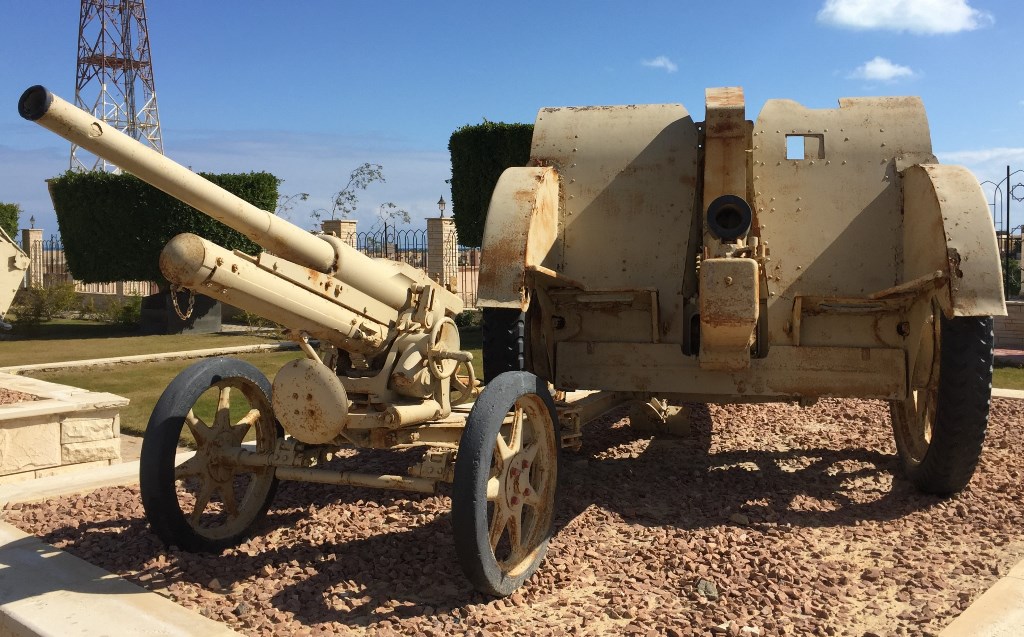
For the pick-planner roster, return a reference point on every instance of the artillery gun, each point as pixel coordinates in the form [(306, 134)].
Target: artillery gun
[(806, 254), (389, 374), (641, 255), (13, 265), (385, 375)]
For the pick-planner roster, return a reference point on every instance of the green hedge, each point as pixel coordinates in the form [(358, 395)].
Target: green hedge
[(9, 219), (480, 153), (114, 226)]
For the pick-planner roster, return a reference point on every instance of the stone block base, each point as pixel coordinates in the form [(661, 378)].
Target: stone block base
[(66, 429)]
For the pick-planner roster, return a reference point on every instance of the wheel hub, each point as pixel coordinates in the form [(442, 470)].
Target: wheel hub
[(517, 481)]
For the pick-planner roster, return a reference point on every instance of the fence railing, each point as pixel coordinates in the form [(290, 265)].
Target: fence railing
[(457, 265), (409, 246), (49, 268), (468, 274)]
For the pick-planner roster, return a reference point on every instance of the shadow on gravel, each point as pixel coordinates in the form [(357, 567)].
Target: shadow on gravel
[(400, 570), (678, 481)]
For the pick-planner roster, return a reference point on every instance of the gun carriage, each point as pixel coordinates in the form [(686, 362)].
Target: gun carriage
[(640, 254)]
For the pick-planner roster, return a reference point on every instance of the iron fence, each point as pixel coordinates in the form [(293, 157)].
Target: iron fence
[(49, 268), (409, 246), (460, 267)]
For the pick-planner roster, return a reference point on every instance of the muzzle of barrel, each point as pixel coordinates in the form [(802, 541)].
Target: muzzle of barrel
[(729, 217), (34, 102)]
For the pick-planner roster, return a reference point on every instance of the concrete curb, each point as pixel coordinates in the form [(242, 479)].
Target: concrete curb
[(146, 358), (44, 591), (79, 482), (999, 612), (1007, 393)]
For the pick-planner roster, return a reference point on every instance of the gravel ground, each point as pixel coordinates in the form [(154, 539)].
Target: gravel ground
[(785, 521), (9, 396)]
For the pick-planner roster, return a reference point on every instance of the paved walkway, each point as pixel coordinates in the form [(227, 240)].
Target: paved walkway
[(148, 358), (1013, 357)]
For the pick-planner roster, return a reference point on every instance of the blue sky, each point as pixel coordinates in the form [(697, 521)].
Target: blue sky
[(310, 89)]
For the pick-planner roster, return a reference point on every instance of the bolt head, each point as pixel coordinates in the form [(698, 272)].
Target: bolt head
[(526, 464), (515, 500)]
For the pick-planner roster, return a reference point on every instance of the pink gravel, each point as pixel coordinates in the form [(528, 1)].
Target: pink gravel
[(10, 396), (784, 521)]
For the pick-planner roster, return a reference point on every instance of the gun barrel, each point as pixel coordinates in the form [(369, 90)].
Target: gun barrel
[(200, 265), (79, 127)]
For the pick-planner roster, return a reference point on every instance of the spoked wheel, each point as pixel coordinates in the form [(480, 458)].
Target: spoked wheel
[(506, 473), (208, 502), (940, 428), (464, 386)]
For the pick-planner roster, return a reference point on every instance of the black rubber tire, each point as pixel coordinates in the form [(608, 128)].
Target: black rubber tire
[(504, 341), (160, 445), (470, 519), (961, 409)]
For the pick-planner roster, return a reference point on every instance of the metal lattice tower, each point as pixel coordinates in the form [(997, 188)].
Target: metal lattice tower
[(114, 80)]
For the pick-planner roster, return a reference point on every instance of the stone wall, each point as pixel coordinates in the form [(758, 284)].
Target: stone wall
[(1010, 328), (66, 429)]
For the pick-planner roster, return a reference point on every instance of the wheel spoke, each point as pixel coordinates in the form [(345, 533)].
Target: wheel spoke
[(922, 409), (202, 500), (227, 494), (534, 500), (250, 418), (222, 419), (191, 468), (493, 489), (498, 524), (196, 426), (515, 436), (244, 425), (504, 451), (529, 452), (515, 528)]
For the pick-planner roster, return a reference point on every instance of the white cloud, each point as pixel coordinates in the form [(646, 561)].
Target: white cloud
[(661, 62), (968, 158), (880, 69), (916, 16)]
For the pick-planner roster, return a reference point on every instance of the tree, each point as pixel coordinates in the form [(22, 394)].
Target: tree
[(286, 203), (9, 213), (345, 201), (388, 211)]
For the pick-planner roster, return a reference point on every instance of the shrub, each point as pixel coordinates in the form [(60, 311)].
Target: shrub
[(37, 305), (126, 312), (114, 226), (467, 319), (256, 324), (9, 218), (479, 155)]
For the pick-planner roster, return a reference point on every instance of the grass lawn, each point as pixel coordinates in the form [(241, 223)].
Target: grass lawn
[(1008, 378), (142, 383), (73, 340)]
